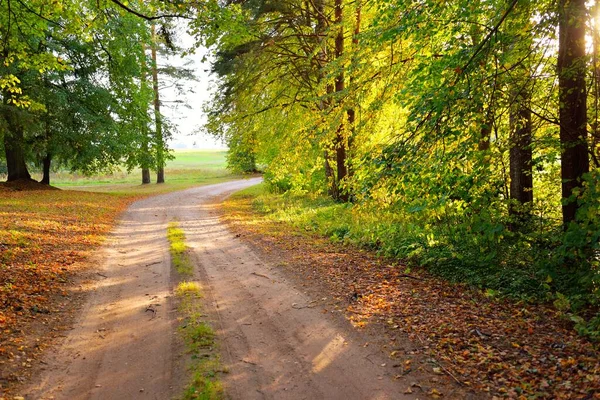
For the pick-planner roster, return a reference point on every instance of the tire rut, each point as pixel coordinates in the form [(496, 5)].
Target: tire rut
[(276, 341)]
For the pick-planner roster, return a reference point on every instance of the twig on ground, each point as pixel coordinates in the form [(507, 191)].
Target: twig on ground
[(261, 275), (152, 263), (450, 373)]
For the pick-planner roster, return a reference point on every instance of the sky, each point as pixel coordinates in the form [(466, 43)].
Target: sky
[(189, 117)]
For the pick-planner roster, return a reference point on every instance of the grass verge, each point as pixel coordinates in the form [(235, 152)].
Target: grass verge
[(491, 345), (197, 334)]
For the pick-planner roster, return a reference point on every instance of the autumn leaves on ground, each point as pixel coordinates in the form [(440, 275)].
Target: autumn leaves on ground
[(485, 346), (491, 347), (45, 238)]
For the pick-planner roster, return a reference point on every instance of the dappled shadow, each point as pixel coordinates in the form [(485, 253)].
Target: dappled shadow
[(276, 341)]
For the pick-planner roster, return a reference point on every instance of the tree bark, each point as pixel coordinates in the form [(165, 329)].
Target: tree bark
[(521, 130), (46, 162), (13, 148), (340, 142), (145, 176), (521, 164), (351, 113), (145, 157), (572, 102), (160, 159)]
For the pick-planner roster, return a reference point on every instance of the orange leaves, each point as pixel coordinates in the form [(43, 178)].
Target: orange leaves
[(43, 235)]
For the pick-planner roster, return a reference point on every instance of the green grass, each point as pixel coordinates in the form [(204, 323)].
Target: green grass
[(199, 339), (209, 160), (179, 257), (197, 334), (189, 168), (397, 236)]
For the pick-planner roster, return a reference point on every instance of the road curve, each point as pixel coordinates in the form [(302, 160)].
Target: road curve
[(274, 342)]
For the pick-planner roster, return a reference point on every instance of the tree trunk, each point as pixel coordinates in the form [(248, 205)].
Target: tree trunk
[(351, 113), (340, 142), (46, 162), (330, 176), (160, 159), (521, 165), (320, 29), (145, 176), (572, 102), (486, 130), (145, 157), (521, 130), (595, 124), (13, 147)]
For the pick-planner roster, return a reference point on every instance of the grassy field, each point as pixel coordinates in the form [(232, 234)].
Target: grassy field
[(188, 168)]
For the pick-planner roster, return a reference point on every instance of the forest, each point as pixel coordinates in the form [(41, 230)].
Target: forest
[(462, 135)]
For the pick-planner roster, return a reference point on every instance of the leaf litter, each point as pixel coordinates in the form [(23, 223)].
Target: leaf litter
[(493, 348), (46, 236)]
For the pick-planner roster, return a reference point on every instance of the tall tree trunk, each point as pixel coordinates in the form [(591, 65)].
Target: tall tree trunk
[(160, 158), (572, 101), (320, 29), (485, 118), (595, 124), (351, 112), (521, 130), (145, 158), (340, 142), (521, 164), (485, 132), (46, 162), (145, 176)]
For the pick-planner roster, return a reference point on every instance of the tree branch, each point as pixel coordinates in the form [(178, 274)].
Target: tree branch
[(147, 17)]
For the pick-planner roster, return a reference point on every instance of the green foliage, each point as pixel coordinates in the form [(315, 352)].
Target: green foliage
[(483, 255), (72, 80)]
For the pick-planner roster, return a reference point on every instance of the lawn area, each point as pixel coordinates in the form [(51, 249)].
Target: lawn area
[(189, 168)]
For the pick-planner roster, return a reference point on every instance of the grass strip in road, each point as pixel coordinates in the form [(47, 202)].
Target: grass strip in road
[(46, 239), (197, 334), (200, 342), (179, 256)]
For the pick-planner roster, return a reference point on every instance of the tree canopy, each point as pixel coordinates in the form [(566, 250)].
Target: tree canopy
[(472, 125), (74, 87)]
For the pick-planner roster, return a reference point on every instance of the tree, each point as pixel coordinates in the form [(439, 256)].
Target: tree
[(520, 124), (571, 68), (158, 119)]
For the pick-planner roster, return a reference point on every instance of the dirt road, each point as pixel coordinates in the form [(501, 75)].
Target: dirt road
[(275, 341)]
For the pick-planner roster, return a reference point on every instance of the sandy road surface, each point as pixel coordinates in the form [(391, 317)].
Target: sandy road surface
[(275, 342)]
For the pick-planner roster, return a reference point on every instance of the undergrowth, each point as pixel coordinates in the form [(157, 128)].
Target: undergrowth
[(483, 255)]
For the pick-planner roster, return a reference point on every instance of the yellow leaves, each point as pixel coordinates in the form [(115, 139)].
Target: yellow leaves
[(9, 82)]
